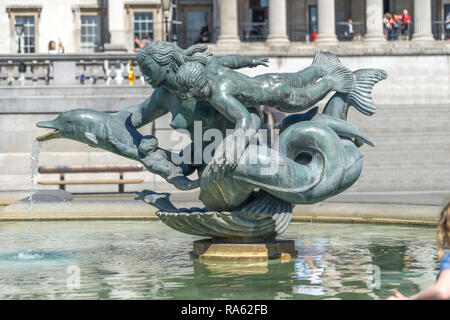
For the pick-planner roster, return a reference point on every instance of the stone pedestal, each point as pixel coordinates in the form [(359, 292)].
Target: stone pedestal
[(209, 250)]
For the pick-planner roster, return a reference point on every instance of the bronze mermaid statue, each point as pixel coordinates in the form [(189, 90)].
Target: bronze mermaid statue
[(248, 189)]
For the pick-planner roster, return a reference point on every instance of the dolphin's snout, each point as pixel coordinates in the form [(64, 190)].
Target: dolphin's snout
[(48, 125)]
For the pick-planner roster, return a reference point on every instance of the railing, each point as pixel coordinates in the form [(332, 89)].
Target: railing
[(257, 31), (343, 34), (440, 32), (69, 69), (398, 33)]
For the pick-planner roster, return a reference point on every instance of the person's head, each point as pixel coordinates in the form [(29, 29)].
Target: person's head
[(350, 20), (405, 12), (159, 61), (52, 45), (443, 237), (136, 37), (192, 80)]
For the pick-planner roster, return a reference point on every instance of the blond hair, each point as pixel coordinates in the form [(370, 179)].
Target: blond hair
[(443, 236)]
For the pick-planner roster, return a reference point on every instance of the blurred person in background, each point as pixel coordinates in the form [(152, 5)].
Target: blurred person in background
[(52, 47), (52, 50), (350, 30), (405, 19), (147, 40), (137, 43), (204, 35), (395, 22), (440, 290), (387, 26), (447, 25)]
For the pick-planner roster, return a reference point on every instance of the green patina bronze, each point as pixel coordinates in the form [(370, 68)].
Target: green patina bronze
[(248, 189)]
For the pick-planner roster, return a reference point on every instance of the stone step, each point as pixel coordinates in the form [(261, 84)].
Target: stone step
[(48, 91), (389, 187), (410, 146), (405, 135), (401, 112), (58, 104), (404, 122), (410, 158)]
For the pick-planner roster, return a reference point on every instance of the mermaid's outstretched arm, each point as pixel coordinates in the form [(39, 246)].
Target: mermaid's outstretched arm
[(150, 109), (235, 61)]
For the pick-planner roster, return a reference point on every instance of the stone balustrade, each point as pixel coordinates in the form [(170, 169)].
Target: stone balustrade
[(69, 69)]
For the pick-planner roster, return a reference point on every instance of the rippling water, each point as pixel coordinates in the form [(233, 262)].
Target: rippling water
[(147, 260)]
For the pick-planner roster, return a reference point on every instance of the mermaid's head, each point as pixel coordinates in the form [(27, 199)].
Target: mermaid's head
[(159, 61)]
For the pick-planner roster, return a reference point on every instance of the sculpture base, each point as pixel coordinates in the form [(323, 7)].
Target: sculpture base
[(209, 250)]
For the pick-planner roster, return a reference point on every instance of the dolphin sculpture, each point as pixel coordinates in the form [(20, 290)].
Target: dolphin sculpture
[(115, 133)]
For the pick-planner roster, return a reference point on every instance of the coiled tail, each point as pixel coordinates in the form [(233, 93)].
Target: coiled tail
[(316, 146)]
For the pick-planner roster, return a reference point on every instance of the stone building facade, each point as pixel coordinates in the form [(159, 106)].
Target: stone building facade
[(107, 25)]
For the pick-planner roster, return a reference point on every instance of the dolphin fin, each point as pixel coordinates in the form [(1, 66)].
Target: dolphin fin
[(91, 137), (341, 76), (361, 94), (342, 128)]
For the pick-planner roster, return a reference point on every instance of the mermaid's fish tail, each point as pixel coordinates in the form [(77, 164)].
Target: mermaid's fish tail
[(361, 94), (341, 76)]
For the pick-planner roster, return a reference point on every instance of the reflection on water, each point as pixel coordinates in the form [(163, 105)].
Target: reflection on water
[(146, 260)]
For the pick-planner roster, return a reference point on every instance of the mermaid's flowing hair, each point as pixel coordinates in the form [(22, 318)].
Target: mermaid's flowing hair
[(168, 54), (443, 236)]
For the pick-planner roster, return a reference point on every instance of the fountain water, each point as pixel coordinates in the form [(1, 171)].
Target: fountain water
[(34, 164)]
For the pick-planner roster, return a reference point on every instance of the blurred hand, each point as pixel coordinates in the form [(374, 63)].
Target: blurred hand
[(397, 296)]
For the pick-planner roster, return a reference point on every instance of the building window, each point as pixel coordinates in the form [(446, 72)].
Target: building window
[(143, 25), (257, 27), (90, 33), (28, 36)]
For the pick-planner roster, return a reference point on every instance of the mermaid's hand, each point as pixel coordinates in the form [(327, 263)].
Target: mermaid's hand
[(260, 61)]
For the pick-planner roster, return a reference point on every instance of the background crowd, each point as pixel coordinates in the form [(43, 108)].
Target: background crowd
[(395, 25)]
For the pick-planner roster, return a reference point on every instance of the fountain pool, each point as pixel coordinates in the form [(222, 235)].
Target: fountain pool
[(147, 260)]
